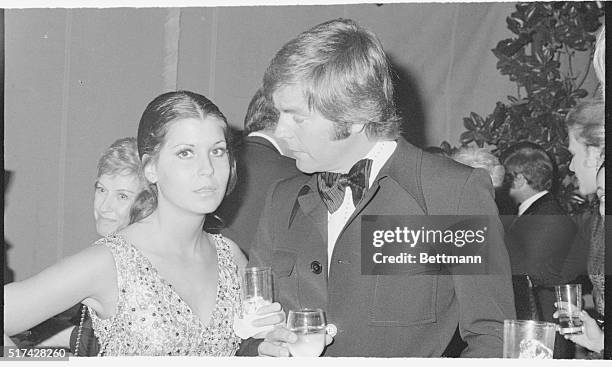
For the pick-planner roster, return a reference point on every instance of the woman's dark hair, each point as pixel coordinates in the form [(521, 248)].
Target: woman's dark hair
[(152, 130)]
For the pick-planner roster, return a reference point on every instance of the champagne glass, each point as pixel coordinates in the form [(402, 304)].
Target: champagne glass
[(309, 325), (256, 289)]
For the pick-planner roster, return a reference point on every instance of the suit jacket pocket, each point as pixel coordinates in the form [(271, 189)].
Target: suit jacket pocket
[(404, 300), (283, 262), (284, 280)]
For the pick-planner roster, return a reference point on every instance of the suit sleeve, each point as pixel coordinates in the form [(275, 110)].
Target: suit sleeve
[(485, 301), (575, 264), (259, 255)]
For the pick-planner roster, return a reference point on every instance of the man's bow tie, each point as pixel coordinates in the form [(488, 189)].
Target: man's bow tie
[(332, 185)]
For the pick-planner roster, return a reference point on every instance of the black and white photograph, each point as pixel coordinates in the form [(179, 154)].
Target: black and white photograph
[(399, 180)]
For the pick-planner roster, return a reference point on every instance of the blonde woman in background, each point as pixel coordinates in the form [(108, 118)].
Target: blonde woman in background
[(586, 130), (481, 158)]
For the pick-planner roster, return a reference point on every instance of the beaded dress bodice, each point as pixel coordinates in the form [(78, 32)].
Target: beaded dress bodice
[(151, 319)]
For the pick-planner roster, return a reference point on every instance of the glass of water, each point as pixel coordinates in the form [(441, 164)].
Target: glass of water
[(256, 289), (569, 305), (529, 339), (310, 327)]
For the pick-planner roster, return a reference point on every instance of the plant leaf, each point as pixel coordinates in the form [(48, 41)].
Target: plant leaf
[(476, 117), (466, 137), (469, 124)]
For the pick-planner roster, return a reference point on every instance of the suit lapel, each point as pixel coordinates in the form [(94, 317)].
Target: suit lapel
[(403, 167), (400, 174), (404, 156), (312, 206), (312, 291)]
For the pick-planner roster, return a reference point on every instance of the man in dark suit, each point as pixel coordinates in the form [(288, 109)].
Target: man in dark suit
[(333, 90), (260, 162), (539, 238)]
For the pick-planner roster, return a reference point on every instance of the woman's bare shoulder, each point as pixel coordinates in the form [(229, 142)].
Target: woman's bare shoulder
[(87, 275)]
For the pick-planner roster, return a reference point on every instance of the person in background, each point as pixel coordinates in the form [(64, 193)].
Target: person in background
[(586, 130), (481, 158), (599, 60), (139, 283), (118, 182), (261, 160), (539, 238)]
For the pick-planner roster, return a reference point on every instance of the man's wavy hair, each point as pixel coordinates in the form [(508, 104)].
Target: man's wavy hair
[(533, 162), (345, 76), (261, 114)]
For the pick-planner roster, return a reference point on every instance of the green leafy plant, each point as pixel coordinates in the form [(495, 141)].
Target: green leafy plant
[(548, 35)]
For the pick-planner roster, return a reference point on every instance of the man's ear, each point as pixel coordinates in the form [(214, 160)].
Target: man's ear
[(593, 157), (519, 181), (150, 171)]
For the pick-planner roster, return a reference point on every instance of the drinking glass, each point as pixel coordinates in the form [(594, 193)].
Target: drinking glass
[(256, 289), (529, 339), (309, 325), (569, 305)]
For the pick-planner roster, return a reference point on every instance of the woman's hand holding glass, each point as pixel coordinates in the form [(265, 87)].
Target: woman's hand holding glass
[(258, 313), (592, 336)]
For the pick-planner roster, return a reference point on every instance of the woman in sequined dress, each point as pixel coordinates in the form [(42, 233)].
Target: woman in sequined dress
[(161, 286)]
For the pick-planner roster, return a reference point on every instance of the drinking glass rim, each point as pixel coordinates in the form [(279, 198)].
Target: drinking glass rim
[(530, 322), (257, 269), (577, 285), (308, 310)]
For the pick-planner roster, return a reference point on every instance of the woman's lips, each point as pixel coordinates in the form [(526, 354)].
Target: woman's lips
[(106, 219), (206, 190)]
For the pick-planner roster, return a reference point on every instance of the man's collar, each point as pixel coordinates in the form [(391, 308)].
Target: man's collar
[(268, 138), (528, 202), (402, 167), (379, 154)]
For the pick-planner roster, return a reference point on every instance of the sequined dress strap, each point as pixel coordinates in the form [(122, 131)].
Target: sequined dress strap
[(124, 268)]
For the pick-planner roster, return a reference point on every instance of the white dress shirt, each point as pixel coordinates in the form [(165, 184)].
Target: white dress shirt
[(379, 154), (527, 203)]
